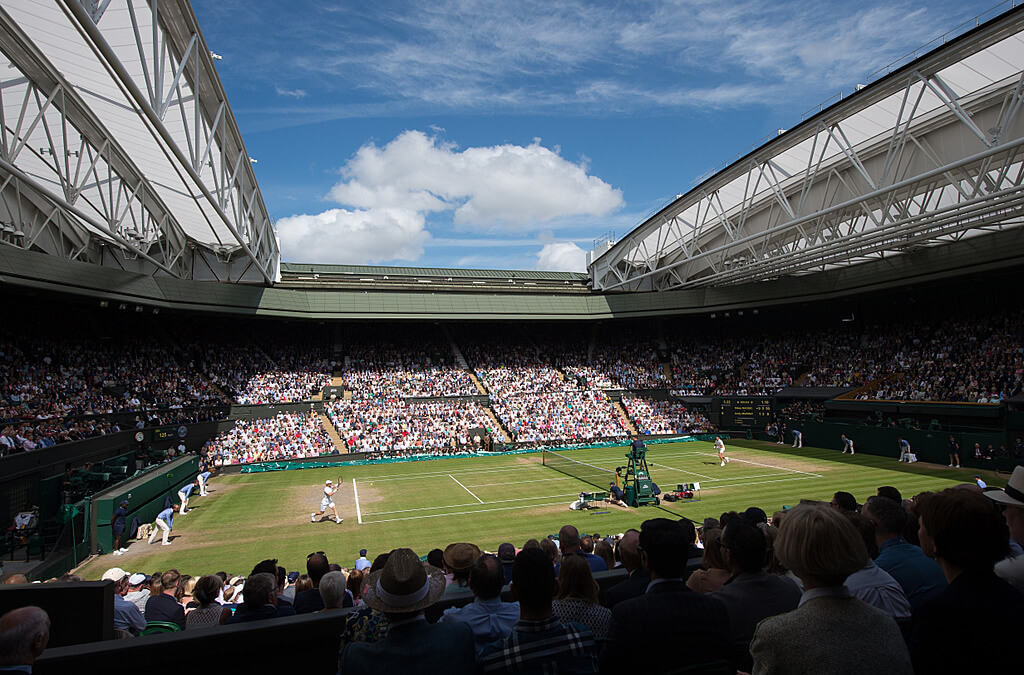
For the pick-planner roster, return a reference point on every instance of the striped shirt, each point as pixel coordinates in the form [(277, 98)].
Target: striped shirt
[(547, 647)]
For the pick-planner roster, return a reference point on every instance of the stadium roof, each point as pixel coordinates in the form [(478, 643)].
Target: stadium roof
[(432, 272), (928, 154), (120, 145)]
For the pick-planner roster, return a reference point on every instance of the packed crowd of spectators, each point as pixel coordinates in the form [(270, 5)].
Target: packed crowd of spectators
[(284, 436), (396, 425), (931, 584), (664, 417), (55, 389), (412, 365), (560, 415)]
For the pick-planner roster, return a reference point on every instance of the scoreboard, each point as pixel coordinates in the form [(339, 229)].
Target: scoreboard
[(744, 411)]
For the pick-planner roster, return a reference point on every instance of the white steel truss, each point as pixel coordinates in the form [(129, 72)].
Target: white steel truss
[(927, 156), (128, 157)]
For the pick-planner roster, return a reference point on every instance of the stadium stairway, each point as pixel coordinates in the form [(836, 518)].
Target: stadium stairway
[(479, 385), (624, 416), (333, 433), (497, 424)]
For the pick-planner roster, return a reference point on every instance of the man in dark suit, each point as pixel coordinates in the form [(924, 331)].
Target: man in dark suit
[(309, 601), (636, 584), (751, 594), (402, 589), (665, 627)]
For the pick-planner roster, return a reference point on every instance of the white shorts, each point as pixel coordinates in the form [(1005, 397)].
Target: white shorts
[(326, 504)]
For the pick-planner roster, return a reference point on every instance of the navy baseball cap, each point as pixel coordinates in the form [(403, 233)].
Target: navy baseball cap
[(124, 502), (292, 576), (362, 551)]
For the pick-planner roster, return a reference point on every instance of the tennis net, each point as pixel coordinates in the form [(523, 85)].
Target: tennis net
[(588, 473)]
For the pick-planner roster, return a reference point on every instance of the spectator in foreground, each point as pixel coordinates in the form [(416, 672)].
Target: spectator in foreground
[(402, 590), (210, 612), (308, 600), (365, 624), (570, 544), (1012, 501), (24, 633), (259, 600), (137, 591), (920, 577), (751, 594), (333, 591), (871, 583), (965, 534), (539, 642), (487, 616), (714, 572), (127, 616), (835, 631), (576, 600), (458, 560), (162, 606), (636, 584), (662, 629), (507, 556)]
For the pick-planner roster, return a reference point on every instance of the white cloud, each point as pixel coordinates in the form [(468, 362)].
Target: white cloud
[(501, 187), (565, 257), (353, 237), (293, 93), (391, 191)]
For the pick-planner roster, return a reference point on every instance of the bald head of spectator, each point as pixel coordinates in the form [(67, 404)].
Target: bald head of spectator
[(16, 579), (569, 540), (317, 566), (24, 633), (629, 550)]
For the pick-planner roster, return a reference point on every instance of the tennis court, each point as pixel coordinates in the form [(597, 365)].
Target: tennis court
[(529, 484), (488, 500)]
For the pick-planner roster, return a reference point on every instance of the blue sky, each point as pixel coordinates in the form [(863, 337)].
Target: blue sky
[(511, 135)]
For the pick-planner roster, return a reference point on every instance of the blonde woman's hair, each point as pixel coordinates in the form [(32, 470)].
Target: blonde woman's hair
[(818, 541)]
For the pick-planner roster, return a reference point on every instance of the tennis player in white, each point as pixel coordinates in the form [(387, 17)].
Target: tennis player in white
[(327, 502), (720, 447)]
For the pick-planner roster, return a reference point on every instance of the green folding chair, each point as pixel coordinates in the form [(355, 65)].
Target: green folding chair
[(159, 627)]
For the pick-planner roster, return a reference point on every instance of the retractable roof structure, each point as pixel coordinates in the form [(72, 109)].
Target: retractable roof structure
[(118, 146), (927, 155)]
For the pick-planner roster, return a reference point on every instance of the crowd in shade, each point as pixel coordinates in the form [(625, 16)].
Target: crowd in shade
[(664, 417), (400, 426), (285, 436), (56, 389), (977, 359), (932, 583), (383, 365)]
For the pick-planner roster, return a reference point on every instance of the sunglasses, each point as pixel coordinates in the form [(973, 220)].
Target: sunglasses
[(313, 554)]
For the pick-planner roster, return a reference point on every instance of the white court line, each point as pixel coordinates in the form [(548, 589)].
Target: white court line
[(759, 482), (710, 479), (531, 506), (560, 476), (466, 489), (455, 506), (770, 466), (355, 492), (466, 513), (436, 474), (688, 473)]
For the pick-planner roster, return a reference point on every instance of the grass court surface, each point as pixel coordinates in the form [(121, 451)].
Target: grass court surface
[(488, 500)]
